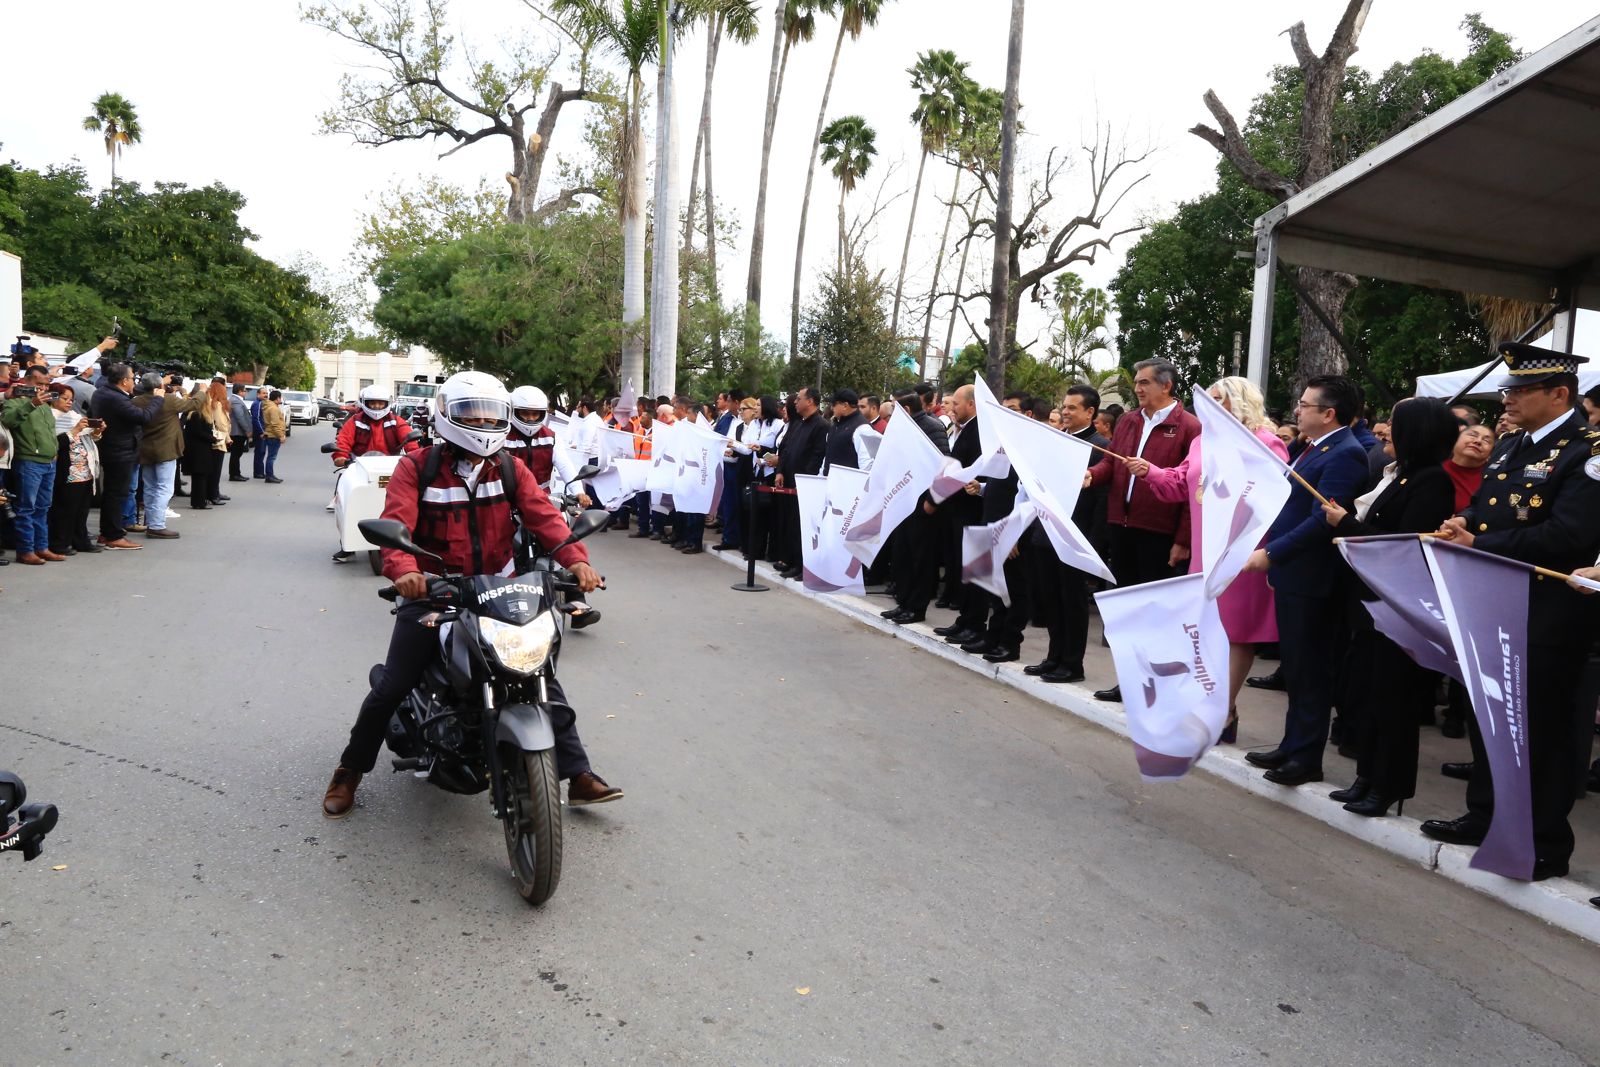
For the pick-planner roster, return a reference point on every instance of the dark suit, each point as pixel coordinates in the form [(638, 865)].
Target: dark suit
[(802, 453), (955, 514), (1305, 576), (1539, 504), (915, 541), (1061, 593), (1390, 691)]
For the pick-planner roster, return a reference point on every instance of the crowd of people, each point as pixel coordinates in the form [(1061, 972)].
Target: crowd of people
[(93, 433), (1420, 468)]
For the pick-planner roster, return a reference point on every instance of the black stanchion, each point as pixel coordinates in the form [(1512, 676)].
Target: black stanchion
[(749, 584)]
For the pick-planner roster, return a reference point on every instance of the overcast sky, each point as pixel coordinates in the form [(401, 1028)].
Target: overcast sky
[(232, 93)]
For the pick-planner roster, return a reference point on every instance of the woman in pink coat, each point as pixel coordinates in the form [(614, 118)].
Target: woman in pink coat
[(1246, 605)]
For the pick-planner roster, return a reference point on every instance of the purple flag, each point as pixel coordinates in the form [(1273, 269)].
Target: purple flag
[(1485, 602), (1407, 609)]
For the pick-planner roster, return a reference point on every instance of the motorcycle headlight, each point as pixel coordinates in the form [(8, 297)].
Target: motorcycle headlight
[(520, 649)]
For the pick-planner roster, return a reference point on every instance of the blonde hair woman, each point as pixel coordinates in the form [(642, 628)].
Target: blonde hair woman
[(1246, 605)]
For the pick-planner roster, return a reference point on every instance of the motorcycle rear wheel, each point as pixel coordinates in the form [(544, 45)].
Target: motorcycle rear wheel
[(533, 825), (375, 561)]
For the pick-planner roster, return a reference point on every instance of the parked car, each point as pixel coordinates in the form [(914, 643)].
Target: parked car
[(301, 407), (332, 409), (250, 392)]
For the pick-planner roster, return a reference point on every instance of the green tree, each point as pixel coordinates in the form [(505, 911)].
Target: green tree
[(114, 117), (849, 144), (532, 305), (847, 325)]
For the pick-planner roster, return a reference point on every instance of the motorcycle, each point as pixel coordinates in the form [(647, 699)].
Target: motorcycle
[(359, 493), (32, 822), (482, 717)]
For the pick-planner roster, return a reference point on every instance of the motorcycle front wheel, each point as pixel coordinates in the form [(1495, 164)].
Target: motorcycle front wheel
[(533, 823)]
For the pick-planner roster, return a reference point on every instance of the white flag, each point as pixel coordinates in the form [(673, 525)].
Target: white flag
[(1171, 654), (663, 457), (627, 404), (635, 474), (698, 481), (1243, 486), (614, 445), (1050, 466), (905, 466), (984, 548), (828, 566), (608, 489)]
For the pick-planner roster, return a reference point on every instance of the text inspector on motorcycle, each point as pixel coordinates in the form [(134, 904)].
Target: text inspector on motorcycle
[(479, 704), (533, 441), (365, 452)]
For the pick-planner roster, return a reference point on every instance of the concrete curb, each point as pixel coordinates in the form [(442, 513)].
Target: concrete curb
[(1561, 902)]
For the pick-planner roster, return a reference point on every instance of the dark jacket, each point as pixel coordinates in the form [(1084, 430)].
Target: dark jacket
[(1420, 502), (1538, 505), (841, 450), (803, 448), (963, 508), (125, 423), (1089, 514), (163, 437), (1168, 444), (933, 428), (1300, 542)]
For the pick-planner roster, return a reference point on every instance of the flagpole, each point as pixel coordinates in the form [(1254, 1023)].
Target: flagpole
[(1546, 571), (1309, 487), (1107, 451)]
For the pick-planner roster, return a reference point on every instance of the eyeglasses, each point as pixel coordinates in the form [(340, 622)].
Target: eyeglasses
[(1314, 407), (1518, 390)]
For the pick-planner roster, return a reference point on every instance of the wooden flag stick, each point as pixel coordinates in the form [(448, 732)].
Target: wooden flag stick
[(1309, 488), (1107, 451), (1546, 571)]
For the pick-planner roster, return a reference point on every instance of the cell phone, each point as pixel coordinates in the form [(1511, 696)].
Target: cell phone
[(95, 424)]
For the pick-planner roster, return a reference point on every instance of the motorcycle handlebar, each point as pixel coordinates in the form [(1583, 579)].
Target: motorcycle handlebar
[(389, 593)]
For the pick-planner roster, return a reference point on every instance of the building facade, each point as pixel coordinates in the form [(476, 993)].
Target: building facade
[(341, 375)]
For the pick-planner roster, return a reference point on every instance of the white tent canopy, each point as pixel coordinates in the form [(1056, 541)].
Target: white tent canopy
[(1585, 342)]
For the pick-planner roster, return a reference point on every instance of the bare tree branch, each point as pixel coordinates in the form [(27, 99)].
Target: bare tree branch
[(1230, 142)]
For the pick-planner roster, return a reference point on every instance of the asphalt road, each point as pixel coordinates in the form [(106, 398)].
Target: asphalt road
[(834, 850)]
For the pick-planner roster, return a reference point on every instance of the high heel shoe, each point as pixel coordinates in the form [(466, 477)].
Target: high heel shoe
[(1358, 791), (1374, 805), (1230, 732)]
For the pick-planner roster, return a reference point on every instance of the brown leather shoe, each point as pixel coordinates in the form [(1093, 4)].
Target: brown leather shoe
[(53, 557), (120, 544), (341, 796), (590, 788), (30, 558)]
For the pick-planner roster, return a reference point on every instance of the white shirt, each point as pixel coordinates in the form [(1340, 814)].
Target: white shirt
[(587, 434), (866, 440), (1146, 428), (1548, 428)]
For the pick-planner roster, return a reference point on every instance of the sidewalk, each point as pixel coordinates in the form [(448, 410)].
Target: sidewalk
[(1563, 902)]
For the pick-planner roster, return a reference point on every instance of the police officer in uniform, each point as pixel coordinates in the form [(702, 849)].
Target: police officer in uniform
[(1539, 503)]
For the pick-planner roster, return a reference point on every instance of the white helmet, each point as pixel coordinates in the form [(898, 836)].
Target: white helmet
[(473, 412), (528, 398), (374, 393)]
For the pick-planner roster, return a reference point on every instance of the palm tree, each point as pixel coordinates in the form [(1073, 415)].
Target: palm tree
[(854, 17), (939, 78), (794, 21), (114, 116), (737, 19), (626, 28), (1082, 329), (849, 144), (979, 137), (664, 270)]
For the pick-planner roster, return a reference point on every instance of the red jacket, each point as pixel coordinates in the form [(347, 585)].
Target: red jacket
[(1168, 444), (537, 453), (473, 536), (360, 435)]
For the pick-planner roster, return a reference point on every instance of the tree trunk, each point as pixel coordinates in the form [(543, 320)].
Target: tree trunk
[(955, 301), (633, 241), (805, 203), (905, 251), (1319, 352), (938, 268), (711, 255), (713, 36), (1002, 331), (758, 231), (664, 269), (519, 203)]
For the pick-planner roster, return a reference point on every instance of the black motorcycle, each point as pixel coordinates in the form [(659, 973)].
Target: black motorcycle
[(482, 717), (22, 826)]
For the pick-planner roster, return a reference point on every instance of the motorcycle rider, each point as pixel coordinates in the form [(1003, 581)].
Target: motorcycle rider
[(374, 428), (533, 441), (465, 517)]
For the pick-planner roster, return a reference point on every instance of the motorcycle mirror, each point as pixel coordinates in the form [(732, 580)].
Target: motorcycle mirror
[(588, 523), (327, 447), (587, 471), (392, 533)]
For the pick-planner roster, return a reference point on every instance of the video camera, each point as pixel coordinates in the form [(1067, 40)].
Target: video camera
[(25, 830)]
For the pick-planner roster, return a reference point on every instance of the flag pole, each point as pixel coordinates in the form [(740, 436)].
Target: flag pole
[(1107, 451), (1309, 487), (1546, 571)]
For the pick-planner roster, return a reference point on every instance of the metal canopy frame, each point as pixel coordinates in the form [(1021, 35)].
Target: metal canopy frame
[(1461, 218)]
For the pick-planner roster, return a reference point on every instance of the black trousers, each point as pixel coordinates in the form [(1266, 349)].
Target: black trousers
[(237, 446), (412, 647), (1384, 720), (1139, 556), (1061, 598), (114, 488), (69, 514), (1311, 644), (1007, 625), (1554, 675), (205, 475), (917, 550)]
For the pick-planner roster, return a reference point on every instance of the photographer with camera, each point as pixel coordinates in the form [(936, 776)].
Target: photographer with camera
[(161, 446), (77, 469), (33, 432), (119, 448)]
